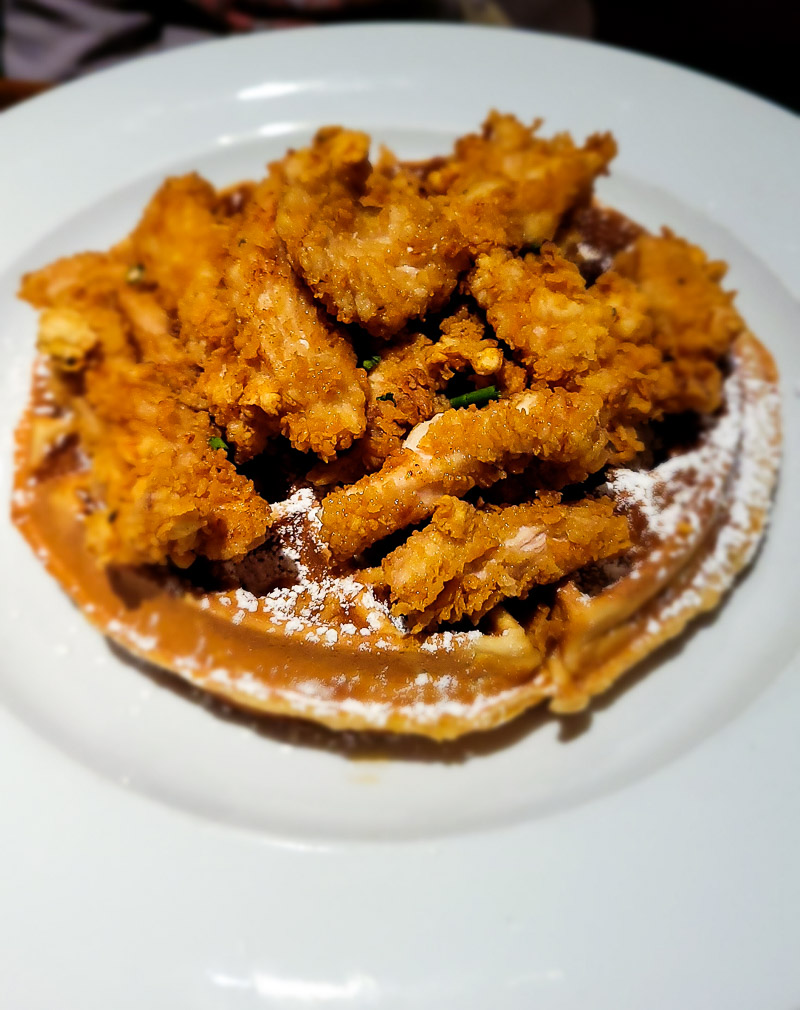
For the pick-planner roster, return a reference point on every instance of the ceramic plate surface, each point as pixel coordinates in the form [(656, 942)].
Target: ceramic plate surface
[(159, 853)]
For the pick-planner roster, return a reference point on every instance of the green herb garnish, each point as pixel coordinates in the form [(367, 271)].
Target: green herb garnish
[(215, 442), (476, 396), (387, 396), (135, 274), (369, 363)]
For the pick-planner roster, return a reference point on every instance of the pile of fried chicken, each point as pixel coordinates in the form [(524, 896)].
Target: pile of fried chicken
[(425, 336)]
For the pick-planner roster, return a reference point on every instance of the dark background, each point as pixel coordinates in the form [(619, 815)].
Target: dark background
[(755, 44)]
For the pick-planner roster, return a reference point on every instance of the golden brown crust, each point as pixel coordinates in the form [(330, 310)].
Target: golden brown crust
[(695, 322), (279, 364), (217, 317), (459, 450), (369, 244), (452, 687), (508, 187), (467, 559)]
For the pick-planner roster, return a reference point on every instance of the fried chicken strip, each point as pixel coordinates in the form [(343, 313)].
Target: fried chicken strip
[(271, 361), (695, 321), (457, 450), (508, 187), (594, 339), (181, 236), (126, 387), (467, 559), (165, 493), (280, 364), (374, 248)]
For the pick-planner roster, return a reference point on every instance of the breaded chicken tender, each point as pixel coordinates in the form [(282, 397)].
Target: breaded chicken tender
[(695, 321), (594, 339), (79, 296), (458, 450), (468, 559), (508, 187), (271, 362), (540, 306), (280, 363), (159, 491), (181, 232), (375, 249), (166, 493)]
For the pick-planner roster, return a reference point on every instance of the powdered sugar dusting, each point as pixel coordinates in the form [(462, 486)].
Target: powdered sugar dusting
[(739, 536), (315, 699), (738, 459), (666, 502), (246, 601), (318, 605), (327, 609), (135, 639)]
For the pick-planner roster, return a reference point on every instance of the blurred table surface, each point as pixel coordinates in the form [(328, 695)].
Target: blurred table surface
[(12, 92), (756, 53)]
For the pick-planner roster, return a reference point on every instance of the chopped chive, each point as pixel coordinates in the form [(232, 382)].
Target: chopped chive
[(369, 363), (215, 442), (135, 274), (387, 396), (476, 396)]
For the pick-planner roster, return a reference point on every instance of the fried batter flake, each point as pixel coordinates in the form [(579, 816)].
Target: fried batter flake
[(468, 559)]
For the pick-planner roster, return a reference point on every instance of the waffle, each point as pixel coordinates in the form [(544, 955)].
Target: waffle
[(292, 627)]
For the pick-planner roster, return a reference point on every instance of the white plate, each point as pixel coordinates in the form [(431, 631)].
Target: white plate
[(156, 854)]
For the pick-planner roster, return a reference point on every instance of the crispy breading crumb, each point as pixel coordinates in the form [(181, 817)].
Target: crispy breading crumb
[(302, 307)]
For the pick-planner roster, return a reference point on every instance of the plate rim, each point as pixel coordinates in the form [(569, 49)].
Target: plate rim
[(217, 843)]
